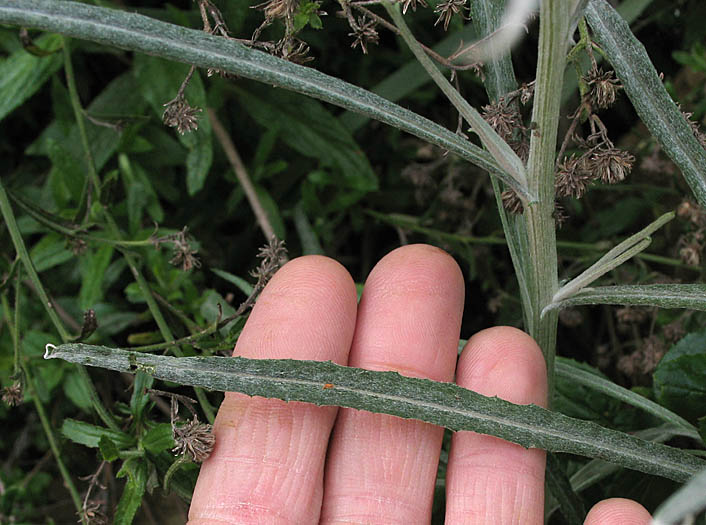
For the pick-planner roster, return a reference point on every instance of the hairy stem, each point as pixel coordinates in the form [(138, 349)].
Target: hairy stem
[(553, 39)]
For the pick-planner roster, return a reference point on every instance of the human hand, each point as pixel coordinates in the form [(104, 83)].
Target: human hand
[(273, 461)]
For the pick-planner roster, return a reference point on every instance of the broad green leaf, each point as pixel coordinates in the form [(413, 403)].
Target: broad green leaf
[(66, 168), (135, 32), (76, 390), (577, 374), (689, 500), (23, 74), (93, 267), (690, 296), (50, 251), (680, 377), (444, 404), (158, 438), (131, 498), (647, 94), (109, 450), (309, 128), (90, 435)]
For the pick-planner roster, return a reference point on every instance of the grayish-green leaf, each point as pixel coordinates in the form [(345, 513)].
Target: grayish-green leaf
[(444, 404), (689, 296), (612, 259), (23, 74), (568, 369), (689, 500), (142, 34), (307, 235), (651, 101)]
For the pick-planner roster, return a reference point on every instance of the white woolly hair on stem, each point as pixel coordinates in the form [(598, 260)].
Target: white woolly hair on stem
[(500, 41)]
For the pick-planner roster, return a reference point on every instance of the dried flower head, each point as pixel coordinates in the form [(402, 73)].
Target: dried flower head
[(12, 395), (512, 202), (611, 164), (690, 247), (364, 33), (406, 4), (195, 439), (603, 87), (183, 254), (571, 179), (526, 92), (629, 314), (446, 9), (294, 50), (76, 245), (273, 256), (571, 317), (674, 331), (180, 115), (691, 211), (643, 360), (501, 117), (92, 513), (559, 214)]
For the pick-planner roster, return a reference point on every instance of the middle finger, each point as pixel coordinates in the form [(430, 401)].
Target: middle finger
[(380, 468)]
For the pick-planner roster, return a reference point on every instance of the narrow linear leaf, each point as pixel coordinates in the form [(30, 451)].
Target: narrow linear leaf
[(647, 94), (501, 151), (597, 470), (687, 501), (689, 296), (444, 404), (612, 259), (567, 369), (136, 32)]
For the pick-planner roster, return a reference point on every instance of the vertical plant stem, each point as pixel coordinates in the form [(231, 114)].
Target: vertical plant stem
[(80, 121), (554, 21), (51, 438)]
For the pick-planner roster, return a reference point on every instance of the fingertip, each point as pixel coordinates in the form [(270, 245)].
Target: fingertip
[(504, 362), (618, 511), (304, 312)]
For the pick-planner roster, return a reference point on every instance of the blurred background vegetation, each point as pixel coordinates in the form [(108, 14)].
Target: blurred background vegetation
[(331, 183)]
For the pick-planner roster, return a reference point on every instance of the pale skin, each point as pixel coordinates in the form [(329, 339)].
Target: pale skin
[(274, 463)]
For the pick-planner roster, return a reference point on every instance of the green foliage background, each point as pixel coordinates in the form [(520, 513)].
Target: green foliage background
[(331, 183)]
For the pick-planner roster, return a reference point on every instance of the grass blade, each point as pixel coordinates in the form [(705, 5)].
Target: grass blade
[(444, 404), (647, 94), (139, 33)]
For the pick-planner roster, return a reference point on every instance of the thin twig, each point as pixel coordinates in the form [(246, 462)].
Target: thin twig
[(242, 174)]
